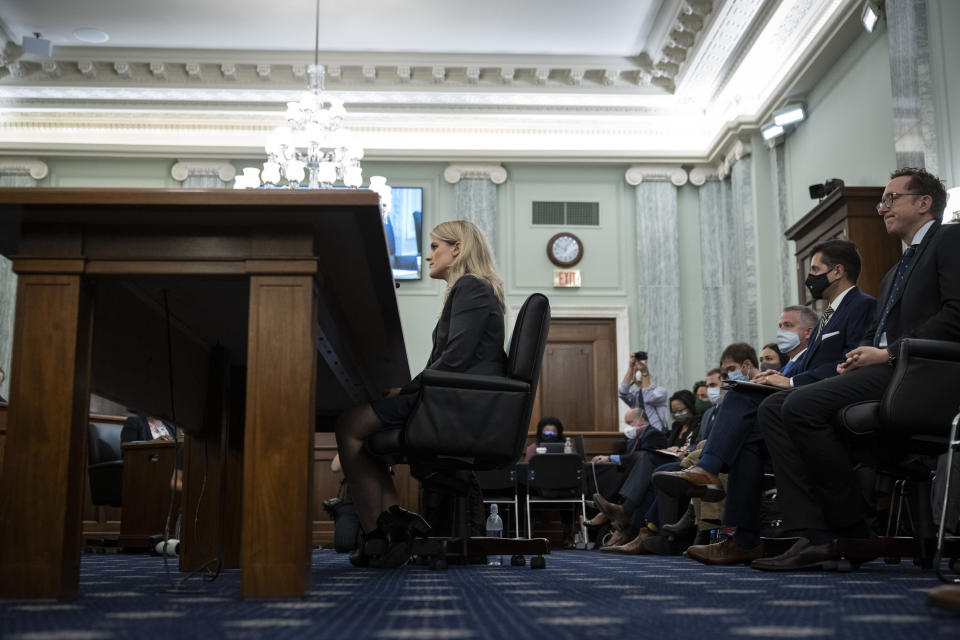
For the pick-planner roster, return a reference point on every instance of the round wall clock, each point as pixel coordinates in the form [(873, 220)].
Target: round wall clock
[(564, 249)]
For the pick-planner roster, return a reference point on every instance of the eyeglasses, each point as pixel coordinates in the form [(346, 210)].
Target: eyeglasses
[(887, 200)]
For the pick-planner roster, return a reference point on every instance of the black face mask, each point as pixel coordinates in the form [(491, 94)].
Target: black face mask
[(817, 284)]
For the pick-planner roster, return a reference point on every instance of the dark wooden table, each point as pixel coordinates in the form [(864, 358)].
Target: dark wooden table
[(271, 309)]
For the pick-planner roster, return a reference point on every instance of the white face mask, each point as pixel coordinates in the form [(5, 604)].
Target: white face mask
[(631, 432), (787, 341), (713, 394)]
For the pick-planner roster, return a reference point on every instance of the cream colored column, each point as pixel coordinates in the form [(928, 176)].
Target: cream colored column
[(203, 174), (476, 189)]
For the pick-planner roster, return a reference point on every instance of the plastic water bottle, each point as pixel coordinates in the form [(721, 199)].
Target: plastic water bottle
[(494, 530), (568, 445)]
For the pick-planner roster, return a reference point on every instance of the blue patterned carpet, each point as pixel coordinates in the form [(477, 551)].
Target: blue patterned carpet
[(580, 594)]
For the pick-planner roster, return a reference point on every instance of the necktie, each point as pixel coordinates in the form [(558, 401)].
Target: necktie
[(787, 368), (899, 279), (824, 319)]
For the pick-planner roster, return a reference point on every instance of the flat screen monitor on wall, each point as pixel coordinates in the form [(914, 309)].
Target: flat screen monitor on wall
[(404, 229)]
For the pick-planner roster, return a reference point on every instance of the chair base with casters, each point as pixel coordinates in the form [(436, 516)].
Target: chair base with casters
[(463, 423), (918, 414)]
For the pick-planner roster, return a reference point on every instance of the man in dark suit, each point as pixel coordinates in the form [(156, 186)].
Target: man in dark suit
[(920, 298), (736, 443)]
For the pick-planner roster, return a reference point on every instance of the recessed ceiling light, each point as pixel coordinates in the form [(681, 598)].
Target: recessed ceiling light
[(93, 36)]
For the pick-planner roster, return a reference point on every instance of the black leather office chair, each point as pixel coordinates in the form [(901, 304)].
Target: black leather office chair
[(105, 464), (915, 420), (465, 422)]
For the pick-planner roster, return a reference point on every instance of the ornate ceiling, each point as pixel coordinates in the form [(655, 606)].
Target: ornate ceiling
[(608, 80)]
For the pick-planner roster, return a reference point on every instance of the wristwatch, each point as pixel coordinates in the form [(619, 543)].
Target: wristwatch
[(891, 357)]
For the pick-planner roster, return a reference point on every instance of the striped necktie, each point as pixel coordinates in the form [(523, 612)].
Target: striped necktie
[(824, 319), (898, 282)]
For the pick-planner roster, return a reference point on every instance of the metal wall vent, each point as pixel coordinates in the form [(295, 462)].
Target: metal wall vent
[(566, 213)]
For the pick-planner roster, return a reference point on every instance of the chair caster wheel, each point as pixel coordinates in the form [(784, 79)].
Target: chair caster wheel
[(844, 566), (518, 561), (438, 564), (538, 562)]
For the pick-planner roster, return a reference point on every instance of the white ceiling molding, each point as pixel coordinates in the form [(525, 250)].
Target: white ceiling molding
[(729, 62), (183, 169), (495, 173), (34, 167), (643, 172), (739, 149)]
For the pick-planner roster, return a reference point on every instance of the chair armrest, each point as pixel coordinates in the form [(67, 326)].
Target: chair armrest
[(452, 379), (930, 349), (921, 397)]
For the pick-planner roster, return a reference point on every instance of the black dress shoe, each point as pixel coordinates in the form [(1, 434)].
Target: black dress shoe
[(399, 528), (685, 524), (370, 551), (802, 556)]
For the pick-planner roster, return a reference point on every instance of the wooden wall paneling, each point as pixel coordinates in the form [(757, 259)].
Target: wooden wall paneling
[(3, 431), (848, 213), (326, 484), (277, 491), (46, 456)]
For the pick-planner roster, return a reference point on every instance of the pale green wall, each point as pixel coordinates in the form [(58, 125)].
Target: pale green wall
[(109, 172), (769, 298), (944, 18), (848, 133)]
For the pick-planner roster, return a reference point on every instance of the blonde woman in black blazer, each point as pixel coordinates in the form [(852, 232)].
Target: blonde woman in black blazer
[(468, 337)]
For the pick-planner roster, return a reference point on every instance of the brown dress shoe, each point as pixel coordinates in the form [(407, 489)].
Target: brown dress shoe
[(695, 482), (617, 539), (635, 547), (614, 512), (725, 552), (946, 597)]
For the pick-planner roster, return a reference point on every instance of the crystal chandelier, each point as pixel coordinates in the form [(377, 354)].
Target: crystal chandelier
[(313, 150)]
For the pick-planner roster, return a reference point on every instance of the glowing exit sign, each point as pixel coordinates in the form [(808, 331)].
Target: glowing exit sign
[(566, 278)]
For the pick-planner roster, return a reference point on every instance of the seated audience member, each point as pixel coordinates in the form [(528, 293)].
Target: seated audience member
[(919, 298), (641, 440), (138, 427), (815, 348), (686, 423), (636, 513), (701, 399), (638, 392), (771, 358), (549, 429)]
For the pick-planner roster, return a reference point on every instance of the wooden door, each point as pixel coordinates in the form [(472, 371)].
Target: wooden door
[(578, 382)]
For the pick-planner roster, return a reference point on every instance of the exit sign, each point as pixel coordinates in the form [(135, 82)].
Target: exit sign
[(566, 278)]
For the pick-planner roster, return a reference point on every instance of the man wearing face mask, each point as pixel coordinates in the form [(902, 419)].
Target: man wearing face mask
[(834, 269), (816, 346)]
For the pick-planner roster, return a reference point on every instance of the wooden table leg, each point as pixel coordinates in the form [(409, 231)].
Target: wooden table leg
[(275, 549), (41, 490)]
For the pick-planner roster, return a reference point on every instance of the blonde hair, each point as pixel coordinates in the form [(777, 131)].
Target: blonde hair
[(475, 257)]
